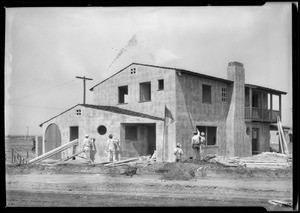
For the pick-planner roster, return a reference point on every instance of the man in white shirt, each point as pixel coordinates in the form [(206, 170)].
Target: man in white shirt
[(196, 144), (110, 148), (87, 147)]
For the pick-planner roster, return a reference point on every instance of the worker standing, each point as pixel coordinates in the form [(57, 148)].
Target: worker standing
[(178, 153), (87, 147), (202, 141), (118, 150), (110, 148), (196, 144)]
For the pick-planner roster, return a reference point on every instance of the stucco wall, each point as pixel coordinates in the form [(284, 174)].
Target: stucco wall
[(191, 112), (88, 122), (237, 141), (106, 93)]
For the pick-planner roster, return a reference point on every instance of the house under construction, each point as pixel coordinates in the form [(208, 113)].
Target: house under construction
[(131, 105)]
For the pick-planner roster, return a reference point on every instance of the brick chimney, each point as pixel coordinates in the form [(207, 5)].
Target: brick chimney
[(237, 141)]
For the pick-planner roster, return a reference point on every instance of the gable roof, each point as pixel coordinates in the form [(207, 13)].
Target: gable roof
[(110, 109), (195, 74), (171, 68)]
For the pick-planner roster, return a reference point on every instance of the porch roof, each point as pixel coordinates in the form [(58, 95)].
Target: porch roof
[(110, 109), (273, 91)]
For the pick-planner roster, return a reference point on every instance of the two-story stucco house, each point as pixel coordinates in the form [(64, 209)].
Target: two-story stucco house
[(131, 105)]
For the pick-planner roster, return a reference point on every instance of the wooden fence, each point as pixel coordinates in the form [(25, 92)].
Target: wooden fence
[(17, 158)]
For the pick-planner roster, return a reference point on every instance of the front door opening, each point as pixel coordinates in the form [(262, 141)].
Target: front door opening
[(138, 139), (53, 140), (73, 136)]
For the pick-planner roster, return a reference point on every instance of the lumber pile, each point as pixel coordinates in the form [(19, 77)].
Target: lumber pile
[(54, 151), (265, 160)]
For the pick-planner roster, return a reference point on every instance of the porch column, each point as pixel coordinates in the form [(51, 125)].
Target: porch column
[(280, 106), (250, 101), (271, 106), (44, 131), (261, 105)]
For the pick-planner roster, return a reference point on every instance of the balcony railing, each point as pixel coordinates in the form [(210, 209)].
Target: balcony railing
[(261, 114)]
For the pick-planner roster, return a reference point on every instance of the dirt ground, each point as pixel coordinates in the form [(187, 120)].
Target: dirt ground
[(77, 184)]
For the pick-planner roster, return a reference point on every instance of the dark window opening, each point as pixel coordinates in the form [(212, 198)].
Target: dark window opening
[(78, 112), (224, 94), (210, 135), (101, 129), (255, 100), (132, 71), (130, 132), (145, 91), (247, 103), (161, 84), (206, 93), (123, 94)]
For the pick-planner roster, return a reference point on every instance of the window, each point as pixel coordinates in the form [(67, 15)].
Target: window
[(101, 129), (161, 84), (78, 111), (210, 134), (224, 94), (206, 93), (145, 91), (132, 71), (123, 94), (130, 132)]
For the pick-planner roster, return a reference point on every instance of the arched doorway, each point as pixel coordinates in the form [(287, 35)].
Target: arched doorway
[(52, 140)]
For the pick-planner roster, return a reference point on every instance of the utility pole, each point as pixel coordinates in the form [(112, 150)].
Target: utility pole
[(84, 79)]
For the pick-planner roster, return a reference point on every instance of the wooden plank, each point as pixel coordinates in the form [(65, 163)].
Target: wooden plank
[(122, 161), (278, 128), (283, 139), (54, 151), (69, 157)]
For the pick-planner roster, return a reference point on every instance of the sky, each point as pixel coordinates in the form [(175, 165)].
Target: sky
[(46, 48)]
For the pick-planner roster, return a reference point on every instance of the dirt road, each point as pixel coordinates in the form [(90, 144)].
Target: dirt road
[(107, 190)]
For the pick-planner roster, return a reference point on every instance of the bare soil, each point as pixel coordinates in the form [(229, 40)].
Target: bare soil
[(75, 183)]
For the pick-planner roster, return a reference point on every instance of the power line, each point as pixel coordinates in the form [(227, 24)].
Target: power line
[(35, 106), (58, 86)]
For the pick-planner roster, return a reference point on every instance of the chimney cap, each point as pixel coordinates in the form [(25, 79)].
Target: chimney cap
[(235, 63)]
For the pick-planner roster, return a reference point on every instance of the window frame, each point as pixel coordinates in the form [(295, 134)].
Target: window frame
[(224, 94), (123, 94), (143, 83), (206, 135), (208, 86), (163, 84)]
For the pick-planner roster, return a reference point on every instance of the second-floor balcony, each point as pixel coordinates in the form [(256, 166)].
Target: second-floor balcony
[(261, 114), (262, 104)]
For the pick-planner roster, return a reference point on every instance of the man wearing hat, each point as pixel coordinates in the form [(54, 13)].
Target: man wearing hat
[(202, 141), (87, 147), (178, 152), (196, 144)]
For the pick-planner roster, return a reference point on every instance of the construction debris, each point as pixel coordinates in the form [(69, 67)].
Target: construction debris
[(270, 160), (280, 203), (69, 157), (121, 162), (208, 157), (54, 151)]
